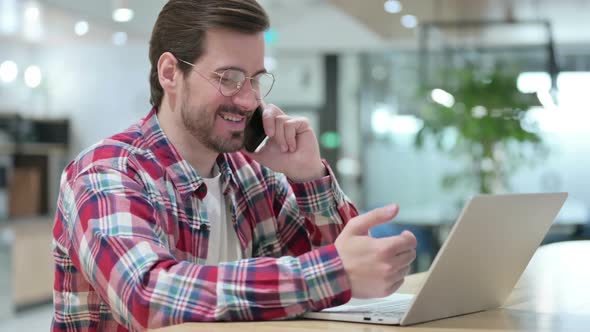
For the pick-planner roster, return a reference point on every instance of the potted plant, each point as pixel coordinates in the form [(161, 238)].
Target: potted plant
[(485, 126)]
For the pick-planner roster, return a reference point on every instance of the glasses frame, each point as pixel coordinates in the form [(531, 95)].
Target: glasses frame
[(240, 84)]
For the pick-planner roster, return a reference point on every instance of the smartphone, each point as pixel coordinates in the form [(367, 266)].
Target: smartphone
[(254, 134)]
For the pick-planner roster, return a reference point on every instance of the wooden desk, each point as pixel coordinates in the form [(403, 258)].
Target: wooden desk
[(552, 295)]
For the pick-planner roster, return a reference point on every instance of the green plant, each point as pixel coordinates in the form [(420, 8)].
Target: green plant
[(485, 126)]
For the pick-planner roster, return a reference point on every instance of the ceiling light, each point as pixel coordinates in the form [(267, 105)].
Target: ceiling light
[(8, 71), (120, 38), (392, 6), (81, 28), (32, 13), (8, 17), (33, 76), (122, 14), (409, 21), (32, 28)]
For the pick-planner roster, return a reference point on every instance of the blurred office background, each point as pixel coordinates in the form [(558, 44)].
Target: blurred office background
[(423, 103)]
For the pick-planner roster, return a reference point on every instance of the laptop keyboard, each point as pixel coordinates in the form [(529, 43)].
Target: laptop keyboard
[(386, 309), (393, 309)]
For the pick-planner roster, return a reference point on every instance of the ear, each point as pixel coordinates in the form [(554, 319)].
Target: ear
[(168, 75)]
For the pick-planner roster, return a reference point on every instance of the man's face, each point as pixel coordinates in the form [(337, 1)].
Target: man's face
[(218, 121)]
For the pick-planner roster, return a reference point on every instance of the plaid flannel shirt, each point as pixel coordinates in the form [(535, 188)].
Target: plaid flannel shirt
[(131, 236)]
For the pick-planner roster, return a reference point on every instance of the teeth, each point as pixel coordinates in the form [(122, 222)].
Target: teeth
[(231, 118)]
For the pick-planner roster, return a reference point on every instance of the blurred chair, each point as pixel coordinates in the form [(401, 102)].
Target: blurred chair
[(572, 223)]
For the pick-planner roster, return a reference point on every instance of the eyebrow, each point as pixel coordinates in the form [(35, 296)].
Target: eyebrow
[(261, 71)]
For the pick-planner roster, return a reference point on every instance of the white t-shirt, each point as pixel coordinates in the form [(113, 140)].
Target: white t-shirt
[(223, 240)]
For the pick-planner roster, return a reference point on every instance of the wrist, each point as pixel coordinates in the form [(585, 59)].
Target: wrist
[(310, 174)]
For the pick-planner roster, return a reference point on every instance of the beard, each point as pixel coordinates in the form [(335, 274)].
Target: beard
[(201, 126)]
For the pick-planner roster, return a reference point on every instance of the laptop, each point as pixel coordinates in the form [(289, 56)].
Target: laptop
[(477, 267)]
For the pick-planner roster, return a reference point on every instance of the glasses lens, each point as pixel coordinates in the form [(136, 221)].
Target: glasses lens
[(263, 83), (231, 82)]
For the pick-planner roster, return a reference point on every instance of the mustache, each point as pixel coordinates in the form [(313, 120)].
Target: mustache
[(233, 110)]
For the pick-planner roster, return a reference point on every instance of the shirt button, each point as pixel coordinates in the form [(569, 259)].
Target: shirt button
[(202, 191)]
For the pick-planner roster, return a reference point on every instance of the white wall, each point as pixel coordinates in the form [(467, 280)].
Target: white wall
[(299, 80), (105, 88), (102, 88), (16, 96)]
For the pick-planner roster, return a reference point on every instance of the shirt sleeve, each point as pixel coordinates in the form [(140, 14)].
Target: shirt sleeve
[(321, 203), (116, 240)]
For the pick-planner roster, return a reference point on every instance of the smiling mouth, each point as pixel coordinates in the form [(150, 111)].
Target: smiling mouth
[(232, 118)]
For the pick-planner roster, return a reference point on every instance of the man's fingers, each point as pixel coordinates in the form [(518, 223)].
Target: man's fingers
[(280, 132), (283, 128), (404, 259), (398, 244), (376, 267), (360, 225), (269, 114), (291, 134)]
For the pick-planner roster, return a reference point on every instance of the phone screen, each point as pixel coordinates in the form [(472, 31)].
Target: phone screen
[(254, 133)]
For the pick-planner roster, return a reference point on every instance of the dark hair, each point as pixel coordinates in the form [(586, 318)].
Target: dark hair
[(181, 26)]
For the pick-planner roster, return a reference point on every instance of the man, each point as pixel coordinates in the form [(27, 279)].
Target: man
[(170, 221)]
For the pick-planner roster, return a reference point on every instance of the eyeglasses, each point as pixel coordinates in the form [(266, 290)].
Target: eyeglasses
[(231, 81)]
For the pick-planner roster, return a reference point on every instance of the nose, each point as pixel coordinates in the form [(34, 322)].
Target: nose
[(246, 99)]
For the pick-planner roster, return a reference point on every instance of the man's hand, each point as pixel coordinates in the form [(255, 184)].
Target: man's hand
[(292, 147), (375, 267)]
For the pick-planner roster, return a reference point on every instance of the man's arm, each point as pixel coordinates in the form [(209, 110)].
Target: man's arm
[(115, 238), (309, 197), (318, 206)]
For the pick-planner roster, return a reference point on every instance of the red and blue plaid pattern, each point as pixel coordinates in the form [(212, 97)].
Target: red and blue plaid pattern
[(131, 235)]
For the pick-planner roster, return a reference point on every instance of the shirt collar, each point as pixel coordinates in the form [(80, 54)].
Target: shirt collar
[(183, 175)]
